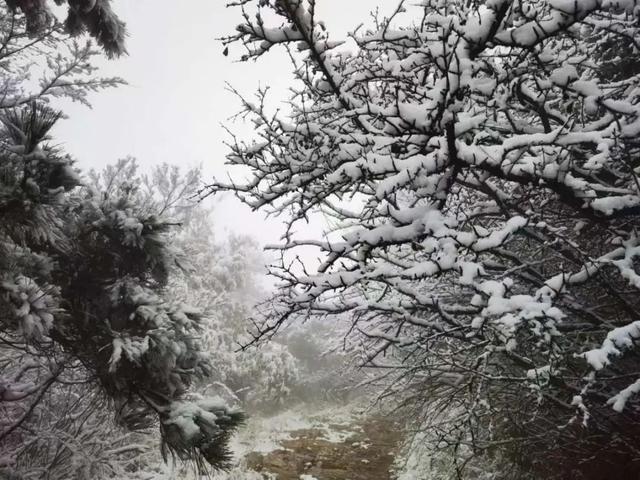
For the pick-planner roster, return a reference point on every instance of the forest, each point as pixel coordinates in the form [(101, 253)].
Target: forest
[(453, 288)]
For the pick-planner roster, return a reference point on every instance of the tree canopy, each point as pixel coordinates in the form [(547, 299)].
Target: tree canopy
[(478, 164)]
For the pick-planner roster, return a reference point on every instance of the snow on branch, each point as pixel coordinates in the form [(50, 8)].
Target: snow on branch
[(476, 166)]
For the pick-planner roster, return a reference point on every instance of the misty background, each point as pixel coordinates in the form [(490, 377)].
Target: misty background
[(176, 101)]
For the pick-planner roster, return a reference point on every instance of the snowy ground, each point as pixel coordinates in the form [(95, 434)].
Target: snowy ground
[(329, 444)]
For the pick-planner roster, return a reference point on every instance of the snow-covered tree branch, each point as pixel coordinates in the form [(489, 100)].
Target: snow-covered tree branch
[(477, 162)]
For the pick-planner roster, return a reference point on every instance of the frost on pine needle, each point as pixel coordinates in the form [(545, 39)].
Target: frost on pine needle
[(93, 16), (84, 271)]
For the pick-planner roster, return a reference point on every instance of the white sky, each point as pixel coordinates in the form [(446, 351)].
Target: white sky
[(172, 109)]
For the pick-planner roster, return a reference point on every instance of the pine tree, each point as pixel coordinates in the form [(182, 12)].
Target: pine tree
[(82, 280), (84, 308), (92, 16)]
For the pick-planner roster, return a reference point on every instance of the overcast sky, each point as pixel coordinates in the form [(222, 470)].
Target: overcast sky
[(175, 103)]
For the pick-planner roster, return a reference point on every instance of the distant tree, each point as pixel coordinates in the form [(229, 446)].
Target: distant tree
[(479, 163), (223, 281)]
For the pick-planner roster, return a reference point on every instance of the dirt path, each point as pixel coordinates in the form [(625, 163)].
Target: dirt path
[(363, 450)]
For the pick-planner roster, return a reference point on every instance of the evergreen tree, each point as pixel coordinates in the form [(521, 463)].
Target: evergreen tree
[(92, 16), (84, 308), (83, 273)]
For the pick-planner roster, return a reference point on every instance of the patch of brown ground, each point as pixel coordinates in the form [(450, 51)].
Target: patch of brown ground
[(366, 454)]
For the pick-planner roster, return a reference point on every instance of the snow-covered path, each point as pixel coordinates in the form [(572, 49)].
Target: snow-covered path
[(333, 444)]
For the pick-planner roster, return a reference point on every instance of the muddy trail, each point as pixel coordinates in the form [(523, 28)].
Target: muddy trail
[(361, 448)]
